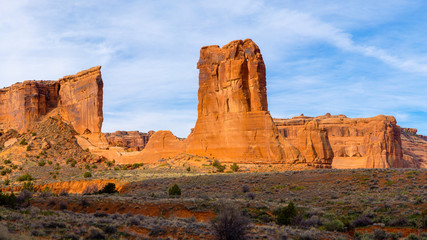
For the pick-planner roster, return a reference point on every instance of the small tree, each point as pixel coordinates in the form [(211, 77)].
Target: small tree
[(234, 167), (87, 175), (287, 214), (174, 191)]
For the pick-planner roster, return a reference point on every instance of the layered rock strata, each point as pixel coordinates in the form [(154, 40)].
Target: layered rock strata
[(349, 143), (132, 140), (76, 98)]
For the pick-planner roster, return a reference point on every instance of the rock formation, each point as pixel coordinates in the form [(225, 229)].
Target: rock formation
[(132, 140), (414, 148), (359, 142), (77, 99), (233, 121)]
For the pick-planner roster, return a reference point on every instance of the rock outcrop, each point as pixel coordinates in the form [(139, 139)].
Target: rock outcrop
[(233, 121), (359, 142), (414, 148), (132, 140), (76, 98)]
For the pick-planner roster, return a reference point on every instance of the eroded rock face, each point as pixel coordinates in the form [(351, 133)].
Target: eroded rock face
[(233, 120), (359, 142), (133, 140), (414, 148), (76, 98)]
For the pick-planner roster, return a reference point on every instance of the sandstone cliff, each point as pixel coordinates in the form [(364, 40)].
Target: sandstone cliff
[(359, 142), (132, 140), (414, 148), (77, 99)]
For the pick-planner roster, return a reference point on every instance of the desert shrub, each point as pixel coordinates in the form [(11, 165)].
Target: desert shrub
[(73, 163), (41, 163), (6, 182), (25, 177), (49, 162), (412, 237), (5, 171), (110, 229), (23, 142), (109, 164), (362, 221), (29, 186), (250, 196), (7, 161), (46, 193), (63, 192), (335, 225), (133, 221), (62, 205), (234, 167), (24, 197), (399, 222), (246, 188), (87, 175), (8, 200), (230, 224), (157, 231), (380, 234), (95, 233), (84, 203), (91, 189), (108, 188), (219, 167), (87, 166), (137, 165), (188, 169), (287, 214), (29, 148), (174, 191)]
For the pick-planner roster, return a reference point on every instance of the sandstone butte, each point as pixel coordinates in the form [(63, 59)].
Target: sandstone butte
[(77, 99), (233, 124)]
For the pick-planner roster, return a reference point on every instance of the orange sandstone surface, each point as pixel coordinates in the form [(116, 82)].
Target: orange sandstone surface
[(76, 98)]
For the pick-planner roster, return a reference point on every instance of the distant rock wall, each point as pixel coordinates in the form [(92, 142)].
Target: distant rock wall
[(359, 142), (132, 140), (76, 98)]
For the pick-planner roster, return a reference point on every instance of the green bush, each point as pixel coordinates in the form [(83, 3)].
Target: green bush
[(8, 200), (287, 214), (41, 163), (23, 142), (174, 191), (6, 182), (234, 167), (108, 188), (219, 167), (87, 175), (29, 186), (73, 163), (25, 177), (49, 162), (29, 148), (335, 225), (7, 161), (188, 169), (5, 171)]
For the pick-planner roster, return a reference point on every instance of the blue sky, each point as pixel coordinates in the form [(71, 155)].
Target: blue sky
[(358, 58)]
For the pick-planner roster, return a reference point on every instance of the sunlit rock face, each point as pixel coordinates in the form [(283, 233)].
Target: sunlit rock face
[(76, 98)]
